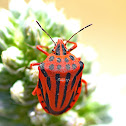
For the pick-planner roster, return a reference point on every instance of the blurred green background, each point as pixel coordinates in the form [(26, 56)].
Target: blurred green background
[(19, 34)]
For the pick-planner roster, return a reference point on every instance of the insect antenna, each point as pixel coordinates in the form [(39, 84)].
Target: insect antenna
[(45, 32), (78, 32)]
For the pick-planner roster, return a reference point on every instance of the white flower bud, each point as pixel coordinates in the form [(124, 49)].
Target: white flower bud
[(34, 119), (38, 116), (4, 20), (32, 73), (19, 5), (72, 119), (37, 5), (71, 24), (39, 107), (12, 57), (17, 91), (80, 121)]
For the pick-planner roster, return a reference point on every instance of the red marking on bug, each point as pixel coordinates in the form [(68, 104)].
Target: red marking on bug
[(60, 77)]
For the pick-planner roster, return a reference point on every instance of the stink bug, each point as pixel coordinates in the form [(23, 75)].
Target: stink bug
[(59, 84)]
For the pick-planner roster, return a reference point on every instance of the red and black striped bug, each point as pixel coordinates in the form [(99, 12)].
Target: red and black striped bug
[(60, 77)]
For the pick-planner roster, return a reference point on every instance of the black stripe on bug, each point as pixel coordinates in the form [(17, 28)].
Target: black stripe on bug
[(63, 49), (79, 85), (49, 83), (40, 87), (65, 89), (74, 79), (58, 49)]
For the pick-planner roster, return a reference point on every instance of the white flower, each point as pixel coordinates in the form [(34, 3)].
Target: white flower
[(39, 107), (38, 116), (4, 22), (11, 57), (56, 16), (33, 73), (80, 121), (72, 119), (17, 5), (59, 17), (34, 119), (17, 91), (38, 5), (4, 14)]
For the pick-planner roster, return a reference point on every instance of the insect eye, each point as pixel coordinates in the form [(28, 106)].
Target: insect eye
[(53, 50)]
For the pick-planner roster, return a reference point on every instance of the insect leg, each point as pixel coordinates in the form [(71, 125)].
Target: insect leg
[(34, 64), (39, 47), (85, 85), (73, 47), (34, 91)]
